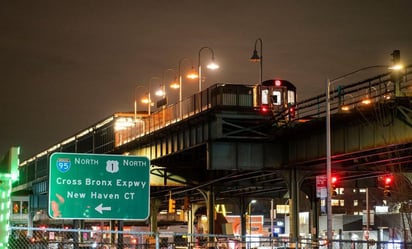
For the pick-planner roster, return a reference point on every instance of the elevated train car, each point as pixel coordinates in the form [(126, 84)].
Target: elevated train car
[(276, 97)]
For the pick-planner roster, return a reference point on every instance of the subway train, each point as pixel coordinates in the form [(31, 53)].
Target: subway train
[(277, 97)]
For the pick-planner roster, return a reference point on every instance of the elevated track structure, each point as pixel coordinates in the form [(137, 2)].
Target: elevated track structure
[(217, 145)]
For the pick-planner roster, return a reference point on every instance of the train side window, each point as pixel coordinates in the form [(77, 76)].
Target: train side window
[(276, 99), (265, 97)]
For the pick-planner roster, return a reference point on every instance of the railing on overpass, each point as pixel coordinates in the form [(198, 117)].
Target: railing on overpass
[(239, 96), (343, 98)]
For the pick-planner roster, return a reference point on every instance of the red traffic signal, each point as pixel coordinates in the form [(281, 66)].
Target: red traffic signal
[(334, 180), (388, 180)]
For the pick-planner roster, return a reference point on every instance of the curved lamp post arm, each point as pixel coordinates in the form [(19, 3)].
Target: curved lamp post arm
[(256, 58), (135, 99), (180, 81), (211, 66)]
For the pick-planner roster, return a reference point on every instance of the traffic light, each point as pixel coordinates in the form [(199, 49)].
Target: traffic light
[(387, 181), (334, 181), (172, 205)]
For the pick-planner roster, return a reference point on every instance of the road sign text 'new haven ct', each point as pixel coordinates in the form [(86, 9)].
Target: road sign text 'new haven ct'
[(99, 186)]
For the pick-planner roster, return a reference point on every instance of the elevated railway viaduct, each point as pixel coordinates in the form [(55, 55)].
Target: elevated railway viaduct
[(222, 150)]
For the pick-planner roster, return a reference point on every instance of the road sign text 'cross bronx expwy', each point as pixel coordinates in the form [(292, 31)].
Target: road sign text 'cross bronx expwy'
[(99, 186)]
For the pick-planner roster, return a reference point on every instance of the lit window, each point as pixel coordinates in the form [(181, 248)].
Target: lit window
[(25, 207), (338, 202), (16, 207), (265, 98), (276, 98), (355, 203), (291, 97)]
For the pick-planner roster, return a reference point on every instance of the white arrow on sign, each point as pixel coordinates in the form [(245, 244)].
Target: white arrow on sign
[(100, 208)]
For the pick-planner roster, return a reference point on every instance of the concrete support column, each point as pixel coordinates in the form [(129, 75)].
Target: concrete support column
[(154, 209), (243, 220), (211, 210), (314, 216), (293, 205), (120, 241)]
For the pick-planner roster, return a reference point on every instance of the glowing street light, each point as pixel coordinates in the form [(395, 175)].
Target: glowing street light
[(174, 83), (158, 92), (256, 58), (135, 100), (147, 98), (250, 221), (191, 75), (212, 65)]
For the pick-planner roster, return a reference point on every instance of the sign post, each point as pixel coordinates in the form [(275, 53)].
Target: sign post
[(99, 186), (321, 189)]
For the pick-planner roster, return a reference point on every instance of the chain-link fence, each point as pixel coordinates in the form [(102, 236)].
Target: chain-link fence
[(38, 238)]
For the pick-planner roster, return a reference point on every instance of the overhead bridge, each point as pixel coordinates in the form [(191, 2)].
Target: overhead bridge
[(217, 145)]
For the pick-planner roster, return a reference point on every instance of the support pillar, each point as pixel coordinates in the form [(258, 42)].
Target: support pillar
[(314, 218), (211, 210), (154, 209), (120, 241), (243, 220), (293, 206)]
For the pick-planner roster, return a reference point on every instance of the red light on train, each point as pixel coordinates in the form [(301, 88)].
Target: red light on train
[(278, 83), (292, 112), (264, 109)]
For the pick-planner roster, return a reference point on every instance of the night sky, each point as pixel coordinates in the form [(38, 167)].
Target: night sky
[(65, 65)]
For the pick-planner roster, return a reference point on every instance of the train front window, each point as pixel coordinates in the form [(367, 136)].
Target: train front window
[(276, 98), (265, 96), (291, 97)]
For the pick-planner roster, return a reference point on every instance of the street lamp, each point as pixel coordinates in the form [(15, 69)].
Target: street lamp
[(250, 221), (174, 84), (256, 58), (328, 143), (147, 100), (135, 100), (192, 75), (212, 65)]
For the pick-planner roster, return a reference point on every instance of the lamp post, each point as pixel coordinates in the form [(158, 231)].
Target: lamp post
[(328, 144), (191, 75), (147, 100), (212, 65), (135, 100), (250, 221), (256, 58), (174, 84)]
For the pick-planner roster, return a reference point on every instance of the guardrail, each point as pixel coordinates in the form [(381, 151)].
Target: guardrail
[(380, 88), (55, 238)]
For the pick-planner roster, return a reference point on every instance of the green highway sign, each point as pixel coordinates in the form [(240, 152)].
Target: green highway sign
[(99, 186)]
